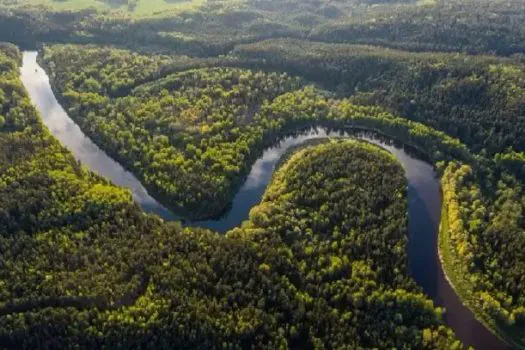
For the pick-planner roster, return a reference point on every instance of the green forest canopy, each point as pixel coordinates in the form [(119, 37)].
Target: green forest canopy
[(208, 28), (192, 135), (185, 115), (82, 264), (214, 84)]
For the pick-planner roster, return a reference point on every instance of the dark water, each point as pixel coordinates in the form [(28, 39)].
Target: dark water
[(424, 197)]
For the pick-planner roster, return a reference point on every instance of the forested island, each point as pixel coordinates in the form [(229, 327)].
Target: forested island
[(187, 96)]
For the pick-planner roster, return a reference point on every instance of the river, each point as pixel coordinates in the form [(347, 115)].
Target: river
[(424, 197)]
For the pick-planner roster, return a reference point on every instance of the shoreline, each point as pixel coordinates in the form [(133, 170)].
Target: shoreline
[(462, 287)]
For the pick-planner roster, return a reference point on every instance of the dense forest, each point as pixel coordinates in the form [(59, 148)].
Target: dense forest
[(478, 99), (191, 136), (187, 95), (219, 114), (208, 28), (82, 264)]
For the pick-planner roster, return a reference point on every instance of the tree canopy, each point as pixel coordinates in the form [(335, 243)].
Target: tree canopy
[(83, 265)]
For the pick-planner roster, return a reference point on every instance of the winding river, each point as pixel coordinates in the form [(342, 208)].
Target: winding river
[(424, 197)]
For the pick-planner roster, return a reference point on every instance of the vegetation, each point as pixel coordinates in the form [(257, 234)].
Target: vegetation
[(187, 97), (150, 116), (191, 136), (214, 27), (118, 8), (319, 210), (81, 264), (481, 238), (478, 99)]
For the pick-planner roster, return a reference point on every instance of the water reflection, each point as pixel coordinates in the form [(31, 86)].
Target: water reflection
[(68, 132)]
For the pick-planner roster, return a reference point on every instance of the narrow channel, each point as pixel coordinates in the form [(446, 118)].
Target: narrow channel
[(424, 197)]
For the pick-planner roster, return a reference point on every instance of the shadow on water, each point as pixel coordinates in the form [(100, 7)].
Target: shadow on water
[(424, 197)]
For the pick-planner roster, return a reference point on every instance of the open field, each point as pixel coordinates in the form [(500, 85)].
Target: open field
[(139, 8)]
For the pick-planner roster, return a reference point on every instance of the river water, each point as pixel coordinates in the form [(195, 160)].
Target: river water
[(424, 197)]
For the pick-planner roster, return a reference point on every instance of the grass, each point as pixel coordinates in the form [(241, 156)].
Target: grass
[(456, 272), (426, 2), (144, 8), (158, 7)]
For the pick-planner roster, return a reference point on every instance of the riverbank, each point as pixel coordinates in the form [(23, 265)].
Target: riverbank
[(455, 272)]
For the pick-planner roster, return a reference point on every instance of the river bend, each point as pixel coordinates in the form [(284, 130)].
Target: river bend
[(424, 197)]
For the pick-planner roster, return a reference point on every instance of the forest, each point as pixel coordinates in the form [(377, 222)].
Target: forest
[(181, 116), (477, 99), (209, 28), (191, 136), (82, 264), (187, 96)]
